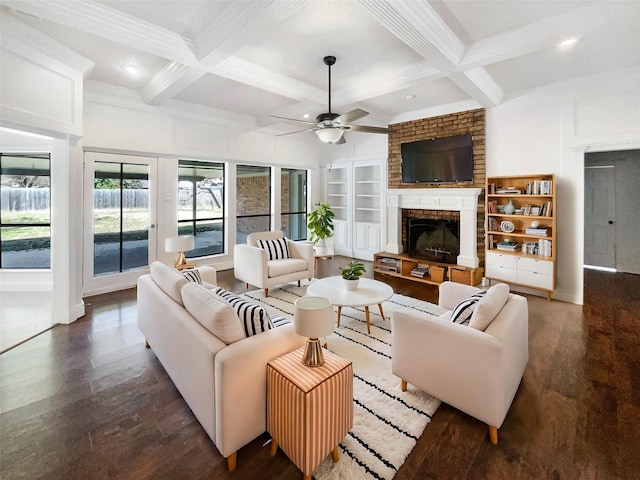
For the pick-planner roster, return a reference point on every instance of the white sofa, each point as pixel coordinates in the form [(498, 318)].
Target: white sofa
[(475, 371), (252, 265), (224, 385)]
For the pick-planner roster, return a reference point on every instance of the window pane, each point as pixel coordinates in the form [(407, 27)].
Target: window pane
[(253, 201), (26, 247), (253, 190), (248, 225), (121, 217), (201, 205), (293, 203), (135, 216), (25, 211)]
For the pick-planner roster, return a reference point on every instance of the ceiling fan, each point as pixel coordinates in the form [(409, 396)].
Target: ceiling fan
[(330, 127)]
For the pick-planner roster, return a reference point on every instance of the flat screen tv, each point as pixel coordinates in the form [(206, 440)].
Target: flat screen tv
[(438, 160)]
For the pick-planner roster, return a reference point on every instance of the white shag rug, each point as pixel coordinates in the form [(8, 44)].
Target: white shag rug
[(387, 422)]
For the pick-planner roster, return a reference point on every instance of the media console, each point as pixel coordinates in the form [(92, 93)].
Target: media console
[(424, 271)]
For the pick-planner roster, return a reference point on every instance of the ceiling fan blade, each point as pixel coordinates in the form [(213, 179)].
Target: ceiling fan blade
[(351, 116), (292, 120), (367, 129), (297, 131)]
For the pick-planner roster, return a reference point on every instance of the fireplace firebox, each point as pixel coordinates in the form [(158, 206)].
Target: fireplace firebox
[(435, 240)]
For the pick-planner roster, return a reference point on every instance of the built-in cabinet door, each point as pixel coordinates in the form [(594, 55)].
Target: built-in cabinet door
[(366, 240), (340, 236)]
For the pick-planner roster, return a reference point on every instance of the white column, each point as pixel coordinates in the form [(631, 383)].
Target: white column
[(393, 232)]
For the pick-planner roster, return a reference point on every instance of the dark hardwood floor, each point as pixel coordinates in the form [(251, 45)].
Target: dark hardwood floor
[(88, 401)]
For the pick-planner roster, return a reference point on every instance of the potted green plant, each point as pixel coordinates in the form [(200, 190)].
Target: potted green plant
[(351, 275), (320, 225)]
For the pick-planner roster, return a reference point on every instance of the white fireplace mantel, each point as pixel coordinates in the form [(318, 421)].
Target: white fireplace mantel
[(463, 200)]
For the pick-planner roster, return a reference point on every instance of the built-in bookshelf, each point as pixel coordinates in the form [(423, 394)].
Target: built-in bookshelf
[(520, 220)]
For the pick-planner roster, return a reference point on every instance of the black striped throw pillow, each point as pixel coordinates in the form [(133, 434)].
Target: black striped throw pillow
[(254, 318), (462, 312), (276, 249), (192, 275)]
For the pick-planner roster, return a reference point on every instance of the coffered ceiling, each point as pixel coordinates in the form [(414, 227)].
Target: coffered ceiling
[(264, 57)]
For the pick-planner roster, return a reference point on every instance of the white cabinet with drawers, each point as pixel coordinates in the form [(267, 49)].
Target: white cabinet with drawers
[(529, 272)]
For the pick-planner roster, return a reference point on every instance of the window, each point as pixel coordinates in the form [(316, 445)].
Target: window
[(120, 217), (293, 206), (201, 205), (253, 201), (25, 211)]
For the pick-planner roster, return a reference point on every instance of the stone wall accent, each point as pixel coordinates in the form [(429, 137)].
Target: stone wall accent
[(471, 121)]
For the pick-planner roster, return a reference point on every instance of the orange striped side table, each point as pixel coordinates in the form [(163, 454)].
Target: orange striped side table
[(309, 410)]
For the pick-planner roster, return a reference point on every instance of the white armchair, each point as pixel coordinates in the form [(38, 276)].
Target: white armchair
[(252, 265), (474, 371)]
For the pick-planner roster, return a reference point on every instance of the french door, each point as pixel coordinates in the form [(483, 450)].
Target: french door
[(120, 219)]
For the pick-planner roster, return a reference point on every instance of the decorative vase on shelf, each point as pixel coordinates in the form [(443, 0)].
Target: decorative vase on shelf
[(509, 208)]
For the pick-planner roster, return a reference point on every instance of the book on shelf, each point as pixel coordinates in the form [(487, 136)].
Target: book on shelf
[(544, 247), (507, 246), (420, 272), (542, 232), (493, 225), (492, 206), (539, 187), (512, 191), (547, 210)]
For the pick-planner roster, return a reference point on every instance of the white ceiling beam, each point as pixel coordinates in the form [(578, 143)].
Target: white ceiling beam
[(18, 36), (418, 25), (96, 19), (240, 24), (249, 73)]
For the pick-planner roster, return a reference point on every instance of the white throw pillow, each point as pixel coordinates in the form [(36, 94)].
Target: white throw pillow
[(168, 279), (464, 310), (276, 249), (214, 314), (489, 306), (253, 318)]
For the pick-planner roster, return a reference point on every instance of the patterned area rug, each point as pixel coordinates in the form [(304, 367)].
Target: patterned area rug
[(387, 422)]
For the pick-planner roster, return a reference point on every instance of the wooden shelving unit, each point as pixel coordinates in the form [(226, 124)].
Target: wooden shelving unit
[(532, 262), (401, 265)]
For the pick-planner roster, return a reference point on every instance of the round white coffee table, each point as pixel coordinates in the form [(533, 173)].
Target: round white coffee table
[(369, 292)]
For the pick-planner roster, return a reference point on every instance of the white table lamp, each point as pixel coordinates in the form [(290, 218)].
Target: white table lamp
[(313, 318), (179, 245)]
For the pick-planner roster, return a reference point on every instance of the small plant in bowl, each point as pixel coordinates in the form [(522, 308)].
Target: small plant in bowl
[(351, 274)]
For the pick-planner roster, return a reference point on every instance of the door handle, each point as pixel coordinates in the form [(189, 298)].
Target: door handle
[(153, 225), (610, 222)]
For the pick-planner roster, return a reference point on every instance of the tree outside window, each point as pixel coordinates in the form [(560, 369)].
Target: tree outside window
[(201, 205)]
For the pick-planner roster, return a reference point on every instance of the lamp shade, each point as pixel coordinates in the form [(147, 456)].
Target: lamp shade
[(183, 243), (329, 134), (313, 317)]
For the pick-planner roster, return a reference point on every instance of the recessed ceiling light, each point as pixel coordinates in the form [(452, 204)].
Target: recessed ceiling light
[(131, 69), (409, 97), (306, 115), (568, 43)]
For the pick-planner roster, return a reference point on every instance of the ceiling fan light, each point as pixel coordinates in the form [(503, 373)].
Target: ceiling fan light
[(329, 134)]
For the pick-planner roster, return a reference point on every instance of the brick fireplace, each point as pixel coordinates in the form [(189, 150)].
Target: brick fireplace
[(459, 203)]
